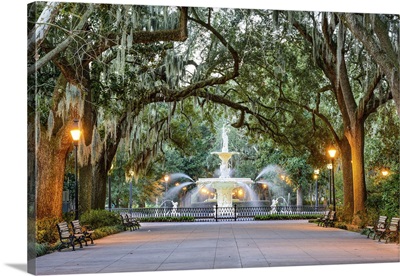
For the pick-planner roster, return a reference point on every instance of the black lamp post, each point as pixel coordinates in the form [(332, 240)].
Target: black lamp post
[(332, 153), (329, 166), (131, 176), (76, 134), (109, 187), (316, 173), (166, 179), (109, 193)]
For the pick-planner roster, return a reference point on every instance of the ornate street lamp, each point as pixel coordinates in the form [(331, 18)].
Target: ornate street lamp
[(109, 188), (76, 134), (131, 175), (316, 173), (166, 179), (329, 166), (332, 153)]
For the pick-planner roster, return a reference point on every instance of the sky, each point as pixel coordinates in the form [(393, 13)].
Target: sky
[(13, 134)]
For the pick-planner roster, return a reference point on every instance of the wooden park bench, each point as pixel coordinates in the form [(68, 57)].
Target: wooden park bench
[(331, 219), (379, 224), (67, 239), (129, 222), (321, 220), (391, 231), (135, 222), (126, 223), (85, 231)]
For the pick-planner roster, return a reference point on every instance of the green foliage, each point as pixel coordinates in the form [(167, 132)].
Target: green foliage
[(168, 219), (341, 225), (106, 231), (192, 157), (42, 249), (286, 216), (383, 196), (298, 170), (69, 216), (46, 230), (99, 218)]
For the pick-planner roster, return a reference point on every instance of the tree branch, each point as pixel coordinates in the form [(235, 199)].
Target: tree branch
[(42, 26), (63, 45)]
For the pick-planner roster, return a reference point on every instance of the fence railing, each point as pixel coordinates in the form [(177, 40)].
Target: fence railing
[(216, 213)]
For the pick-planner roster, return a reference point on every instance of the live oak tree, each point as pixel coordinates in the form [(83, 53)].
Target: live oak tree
[(358, 91), (380, 35), (72, 98)]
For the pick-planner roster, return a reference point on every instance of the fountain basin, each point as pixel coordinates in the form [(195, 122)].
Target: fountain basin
[(233, 180), (224, 187), (225, 156)]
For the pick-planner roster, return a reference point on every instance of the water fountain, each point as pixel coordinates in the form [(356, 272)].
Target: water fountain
[(225, 184)]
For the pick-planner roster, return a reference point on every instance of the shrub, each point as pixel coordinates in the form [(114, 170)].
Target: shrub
[(99, 218), (286, 216), (107, 230), (168, 219), (341, 225), (42, 249), (69, 216), (46, 230), (383, 197)]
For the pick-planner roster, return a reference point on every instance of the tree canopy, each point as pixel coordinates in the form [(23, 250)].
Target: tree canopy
[(151, 86)]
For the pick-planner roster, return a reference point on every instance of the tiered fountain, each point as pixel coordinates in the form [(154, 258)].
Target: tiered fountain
[(224, 185)]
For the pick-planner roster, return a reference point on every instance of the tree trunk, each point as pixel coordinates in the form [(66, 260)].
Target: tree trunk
[(103, 165), (85, 180), (356, 140), (348, 195), (51, 157), (32, 165), (100, 177), (87, 123)]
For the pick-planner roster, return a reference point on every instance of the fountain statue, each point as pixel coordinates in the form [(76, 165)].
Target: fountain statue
[(224, 155), (225, 184)]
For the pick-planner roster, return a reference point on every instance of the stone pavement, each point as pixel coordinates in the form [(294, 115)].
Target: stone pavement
[(219, 245)]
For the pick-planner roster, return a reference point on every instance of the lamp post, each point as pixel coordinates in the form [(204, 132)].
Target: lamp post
[(166, 178), (131, 175), (332, 153), (76, 134), (316, 173), (329, 166), (109, 187)]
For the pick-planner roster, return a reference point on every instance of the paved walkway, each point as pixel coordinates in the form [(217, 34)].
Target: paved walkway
[(217, 245)]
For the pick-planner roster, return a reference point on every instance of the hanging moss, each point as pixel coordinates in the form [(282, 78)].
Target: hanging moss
[(72, 96), (50, 124), (83, 152), (340, 45), (118, 15), (73, 99), (62, 110), (97, 146)]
